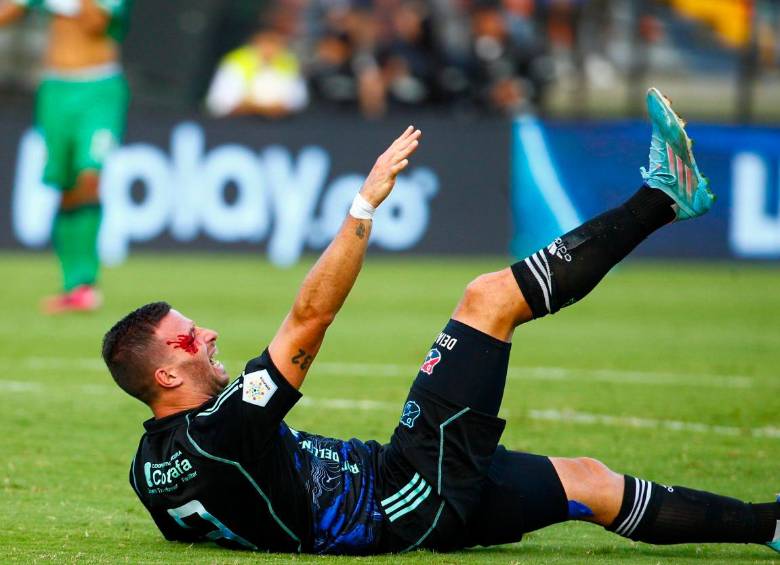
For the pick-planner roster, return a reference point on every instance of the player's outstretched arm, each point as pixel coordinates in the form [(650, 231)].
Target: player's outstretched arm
[(327, 285), (10, 12)]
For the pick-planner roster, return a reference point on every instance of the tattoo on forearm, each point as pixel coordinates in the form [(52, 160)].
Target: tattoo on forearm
[(302, 359), (360, 231)]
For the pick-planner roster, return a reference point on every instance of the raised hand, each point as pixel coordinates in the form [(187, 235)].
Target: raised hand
[(381, 179)]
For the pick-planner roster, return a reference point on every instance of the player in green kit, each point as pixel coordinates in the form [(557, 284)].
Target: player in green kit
[(80, 111)]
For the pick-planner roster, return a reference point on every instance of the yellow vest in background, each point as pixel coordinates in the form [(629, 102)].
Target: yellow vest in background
[(729, 18)]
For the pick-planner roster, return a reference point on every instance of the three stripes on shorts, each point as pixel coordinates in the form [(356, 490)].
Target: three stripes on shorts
[(407, 499)]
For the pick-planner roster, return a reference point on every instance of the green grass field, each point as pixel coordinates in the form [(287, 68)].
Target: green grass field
[(667, 371)]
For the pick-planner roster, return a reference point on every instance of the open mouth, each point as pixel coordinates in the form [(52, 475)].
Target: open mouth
[(213, 360)]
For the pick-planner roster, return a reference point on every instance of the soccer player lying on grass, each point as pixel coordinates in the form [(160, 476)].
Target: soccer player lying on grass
[(217, 461)]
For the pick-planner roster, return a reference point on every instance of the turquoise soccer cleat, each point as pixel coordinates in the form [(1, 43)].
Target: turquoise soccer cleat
[(776, 543), (672, 166)]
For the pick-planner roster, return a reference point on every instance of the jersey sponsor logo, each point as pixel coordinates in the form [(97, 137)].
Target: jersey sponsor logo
[(167, 475), (410, 414), (431, 360), (258, 388), (446, 341)]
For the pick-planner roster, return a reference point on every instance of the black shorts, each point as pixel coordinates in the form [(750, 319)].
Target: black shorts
[(522, 493), (443, 478)]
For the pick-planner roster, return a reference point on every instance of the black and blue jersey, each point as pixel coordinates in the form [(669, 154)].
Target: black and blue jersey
[(231, 471), (340, 477)]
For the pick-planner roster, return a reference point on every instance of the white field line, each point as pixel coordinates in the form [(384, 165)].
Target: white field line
[(566, 416), (20, 386), (391, 370), (350, 404), (574, 417)]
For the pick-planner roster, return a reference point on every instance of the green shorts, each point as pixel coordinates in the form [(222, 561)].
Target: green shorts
[(81, 122)]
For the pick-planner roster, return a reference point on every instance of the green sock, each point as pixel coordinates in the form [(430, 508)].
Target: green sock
[(74, 236)]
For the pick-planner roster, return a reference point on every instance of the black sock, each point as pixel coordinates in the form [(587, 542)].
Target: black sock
[(657, 514), (572, 265)]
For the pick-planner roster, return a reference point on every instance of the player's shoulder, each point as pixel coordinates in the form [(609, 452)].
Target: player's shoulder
[(259, 363), (259, 391), (261, 380), (244, 419)]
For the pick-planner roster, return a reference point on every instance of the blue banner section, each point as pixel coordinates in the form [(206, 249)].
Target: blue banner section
[(564, 173)]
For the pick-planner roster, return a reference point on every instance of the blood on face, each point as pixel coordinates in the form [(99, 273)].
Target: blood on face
[(185, 342)]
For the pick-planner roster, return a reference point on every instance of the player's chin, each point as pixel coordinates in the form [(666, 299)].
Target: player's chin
[(221, 374)]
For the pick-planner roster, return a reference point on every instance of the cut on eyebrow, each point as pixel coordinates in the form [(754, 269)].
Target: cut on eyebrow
[(185, 342)]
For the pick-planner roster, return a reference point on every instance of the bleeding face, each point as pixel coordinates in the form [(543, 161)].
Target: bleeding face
[(191, 352)]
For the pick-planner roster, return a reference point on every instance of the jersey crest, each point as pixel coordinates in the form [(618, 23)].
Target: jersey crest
[(431, 360), (410, 414)]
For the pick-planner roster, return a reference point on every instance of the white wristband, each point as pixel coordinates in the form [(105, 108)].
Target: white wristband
[(361, 209)]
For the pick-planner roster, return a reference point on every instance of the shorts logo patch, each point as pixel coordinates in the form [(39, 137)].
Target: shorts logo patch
[(258, 388), (410, 414), (431, 360)]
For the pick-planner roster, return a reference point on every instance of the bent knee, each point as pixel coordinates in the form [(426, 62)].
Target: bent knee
[(580, 475), (493, 304), (594, 469), (491, 294), (593, 484), (482, 292)]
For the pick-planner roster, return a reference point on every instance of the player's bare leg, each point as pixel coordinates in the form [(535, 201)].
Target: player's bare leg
[(84, 193), (494, 304), (645, 511), (593, 484)]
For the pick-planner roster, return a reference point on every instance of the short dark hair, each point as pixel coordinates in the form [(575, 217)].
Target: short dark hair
[(126, 349)]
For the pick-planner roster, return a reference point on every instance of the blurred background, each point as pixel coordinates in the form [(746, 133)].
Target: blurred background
[(251, 121), (557, 58)]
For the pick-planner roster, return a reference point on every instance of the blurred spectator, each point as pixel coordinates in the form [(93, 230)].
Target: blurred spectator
[(263, 77), (344, 70), (411, 58), (369, 53), (506, 68)]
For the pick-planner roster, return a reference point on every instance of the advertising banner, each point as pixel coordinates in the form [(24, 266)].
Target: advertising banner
[(280, 188), (564, 173)]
